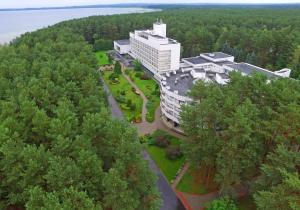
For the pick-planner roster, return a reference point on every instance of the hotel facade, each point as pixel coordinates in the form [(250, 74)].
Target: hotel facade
[(176, 76)]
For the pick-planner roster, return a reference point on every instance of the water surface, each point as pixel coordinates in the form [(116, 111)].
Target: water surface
[(15, 23)]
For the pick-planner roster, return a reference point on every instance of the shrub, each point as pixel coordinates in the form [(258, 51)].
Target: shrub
[(162, 141), (123, 93), (137, 65), (133, 107), (149, 117), (138, 118), (127, 71), (224, 203), (113, 77), (129, 103), (173, 152), (120, 99), (117, 68), (138, 74), (144, 77)]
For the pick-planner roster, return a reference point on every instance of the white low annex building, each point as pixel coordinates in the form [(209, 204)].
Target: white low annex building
[(122, 46), (208, 67), (152, 48), (161, 56)]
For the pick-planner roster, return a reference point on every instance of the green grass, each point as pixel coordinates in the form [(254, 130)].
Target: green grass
[(188, 185), (124, 85), (148, 87), (168, 167), (102, 58), (192, 182), (246, 203)]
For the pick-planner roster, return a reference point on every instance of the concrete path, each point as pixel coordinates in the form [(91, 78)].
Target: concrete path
[(180, 175), (169, 197)]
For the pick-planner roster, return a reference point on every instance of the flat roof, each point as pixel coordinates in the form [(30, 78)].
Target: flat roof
[(197, 60), (217, 55), (123, 42), (182, 82), (222, 63), (250, 69)]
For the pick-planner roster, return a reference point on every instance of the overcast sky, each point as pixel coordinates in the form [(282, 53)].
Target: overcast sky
[(50, 3)]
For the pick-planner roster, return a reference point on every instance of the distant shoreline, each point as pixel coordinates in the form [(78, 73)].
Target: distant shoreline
[(162, 6)]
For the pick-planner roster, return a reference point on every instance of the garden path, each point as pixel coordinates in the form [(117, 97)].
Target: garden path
[(145, 127), (180, 175)]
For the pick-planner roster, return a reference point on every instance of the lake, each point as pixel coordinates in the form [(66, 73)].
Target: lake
[(15, 23)]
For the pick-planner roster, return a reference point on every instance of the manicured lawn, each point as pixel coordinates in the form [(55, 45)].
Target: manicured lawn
[(192, 182), (102, 58), (151, 91), (246, 203), (124, 86), (168, 167)]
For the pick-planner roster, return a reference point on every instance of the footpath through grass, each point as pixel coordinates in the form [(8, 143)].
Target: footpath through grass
[(102, 58), (122, 92), (150, 89), (158, 154)]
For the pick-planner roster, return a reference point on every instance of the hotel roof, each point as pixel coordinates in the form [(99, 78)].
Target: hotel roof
[(181, 82), (217, 55), (197, 60), (250, 69)]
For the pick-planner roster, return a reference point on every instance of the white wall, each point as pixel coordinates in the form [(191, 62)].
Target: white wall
[(122, 49)]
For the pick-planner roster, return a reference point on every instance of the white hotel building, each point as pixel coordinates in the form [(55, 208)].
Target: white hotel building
[(162, 57), (152, 48)]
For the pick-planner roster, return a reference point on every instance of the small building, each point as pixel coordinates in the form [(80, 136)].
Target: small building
[(122, 46)]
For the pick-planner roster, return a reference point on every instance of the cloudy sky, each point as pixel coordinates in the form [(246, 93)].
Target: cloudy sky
[(47, 3)]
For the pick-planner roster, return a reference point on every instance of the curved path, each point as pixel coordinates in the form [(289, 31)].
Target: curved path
[(169, 197), (145, 127)]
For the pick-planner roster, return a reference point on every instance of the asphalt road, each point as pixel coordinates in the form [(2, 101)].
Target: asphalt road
[(169, 198)]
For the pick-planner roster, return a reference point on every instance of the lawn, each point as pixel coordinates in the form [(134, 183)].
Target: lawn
[(168, 167), (102, 58), (192, 182), (151, 91), (124, 86)]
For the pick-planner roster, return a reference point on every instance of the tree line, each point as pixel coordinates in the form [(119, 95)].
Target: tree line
[(59, 146)]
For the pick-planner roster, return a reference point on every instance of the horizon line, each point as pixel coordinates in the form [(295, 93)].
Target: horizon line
[(146, 4)]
